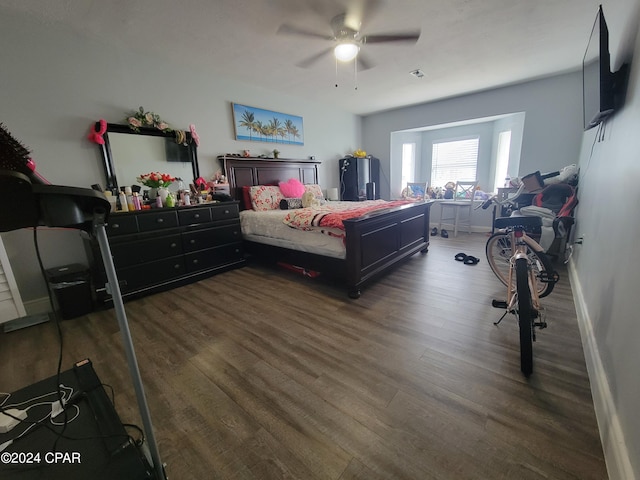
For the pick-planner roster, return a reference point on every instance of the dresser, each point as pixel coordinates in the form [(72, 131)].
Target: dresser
[(155, 250)]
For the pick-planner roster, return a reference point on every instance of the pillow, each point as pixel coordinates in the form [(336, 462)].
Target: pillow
[(292, 188), (315, 190), (289, 203), (265, 197), (246, 197)]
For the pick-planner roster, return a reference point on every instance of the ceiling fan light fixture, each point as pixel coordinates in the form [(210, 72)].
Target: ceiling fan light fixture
[(346, 51)]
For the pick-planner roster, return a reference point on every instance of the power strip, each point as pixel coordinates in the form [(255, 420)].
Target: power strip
[(7, 422)]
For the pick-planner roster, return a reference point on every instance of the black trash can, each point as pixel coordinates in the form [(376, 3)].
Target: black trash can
[(71, 285)]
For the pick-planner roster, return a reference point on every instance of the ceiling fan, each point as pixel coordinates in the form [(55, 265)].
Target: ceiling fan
[(347, 39)]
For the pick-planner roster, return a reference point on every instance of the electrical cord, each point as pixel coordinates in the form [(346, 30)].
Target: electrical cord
[(58, 330)]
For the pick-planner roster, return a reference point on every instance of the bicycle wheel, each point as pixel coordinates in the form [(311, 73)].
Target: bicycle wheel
[(499, 253), (525, 316)]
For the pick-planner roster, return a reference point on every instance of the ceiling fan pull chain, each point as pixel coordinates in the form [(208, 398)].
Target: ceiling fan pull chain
[(336, 73), (355, 76)]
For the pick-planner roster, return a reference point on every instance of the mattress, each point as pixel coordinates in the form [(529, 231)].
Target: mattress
[(268, 227)]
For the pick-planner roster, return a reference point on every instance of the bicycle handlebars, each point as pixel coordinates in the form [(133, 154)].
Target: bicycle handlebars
[(506, 201)]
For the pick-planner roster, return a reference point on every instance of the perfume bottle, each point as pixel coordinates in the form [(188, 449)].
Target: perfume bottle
[(136, 201), (122, 198)]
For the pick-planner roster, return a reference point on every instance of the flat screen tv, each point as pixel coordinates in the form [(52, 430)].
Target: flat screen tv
[(598, 83)]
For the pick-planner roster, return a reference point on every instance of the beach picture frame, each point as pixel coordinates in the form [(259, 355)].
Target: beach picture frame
[(260, 125)]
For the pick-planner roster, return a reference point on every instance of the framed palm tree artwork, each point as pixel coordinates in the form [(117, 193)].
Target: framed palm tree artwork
[(259, 125)]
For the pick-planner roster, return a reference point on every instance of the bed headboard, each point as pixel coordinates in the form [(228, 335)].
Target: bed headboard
[(242, 172)]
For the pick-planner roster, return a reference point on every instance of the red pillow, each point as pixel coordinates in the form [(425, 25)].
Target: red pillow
[(292, 188), (246, 197)]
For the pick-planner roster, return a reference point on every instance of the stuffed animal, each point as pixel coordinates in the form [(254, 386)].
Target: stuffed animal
[(449, 190), (309, 200)]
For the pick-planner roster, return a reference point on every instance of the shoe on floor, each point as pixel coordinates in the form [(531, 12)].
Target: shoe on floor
[(444, 233), (434, 231), (471, 260)]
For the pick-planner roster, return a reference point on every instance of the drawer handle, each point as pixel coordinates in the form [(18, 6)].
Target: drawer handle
[(177, 266), (226, 212), (115, 225), (197, 215), (173, 245), (192, 241), (160, 220), (195, 261)]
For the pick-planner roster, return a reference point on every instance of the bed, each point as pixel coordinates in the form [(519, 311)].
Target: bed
[(372, 244)]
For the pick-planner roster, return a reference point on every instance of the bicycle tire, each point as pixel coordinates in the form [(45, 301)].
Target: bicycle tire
[(525, 316), (498, 251)]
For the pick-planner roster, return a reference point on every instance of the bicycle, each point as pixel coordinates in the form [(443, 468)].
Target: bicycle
[(521, 265)]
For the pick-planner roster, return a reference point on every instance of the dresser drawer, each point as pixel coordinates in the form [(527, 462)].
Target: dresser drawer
[(157, 221), (211, 237), (121, 224), (152, 273), (142, 251), (191, 216), (213, 257), (225, 211)]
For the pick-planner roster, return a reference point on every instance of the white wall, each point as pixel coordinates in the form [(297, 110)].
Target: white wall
[(552, 129), (605, 268), (55, 84)]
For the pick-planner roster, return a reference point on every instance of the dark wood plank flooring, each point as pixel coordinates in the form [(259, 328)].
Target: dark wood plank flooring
[(259, 373)]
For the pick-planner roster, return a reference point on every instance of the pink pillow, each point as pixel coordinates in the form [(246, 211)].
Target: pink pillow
[(292, 188)]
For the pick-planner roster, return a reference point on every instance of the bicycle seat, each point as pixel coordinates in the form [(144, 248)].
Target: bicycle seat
[(517, 221)]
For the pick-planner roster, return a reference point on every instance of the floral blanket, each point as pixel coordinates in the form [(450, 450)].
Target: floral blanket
[(331, 215)]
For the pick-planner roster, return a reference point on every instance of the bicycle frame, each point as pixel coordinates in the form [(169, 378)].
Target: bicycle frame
[(519, 242)]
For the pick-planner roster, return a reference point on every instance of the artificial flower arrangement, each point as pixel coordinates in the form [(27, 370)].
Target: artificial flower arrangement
[(156, 180), (360, 153), (141, 118)]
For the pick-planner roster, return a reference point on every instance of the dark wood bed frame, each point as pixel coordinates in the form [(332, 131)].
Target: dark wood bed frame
[(374, 242)]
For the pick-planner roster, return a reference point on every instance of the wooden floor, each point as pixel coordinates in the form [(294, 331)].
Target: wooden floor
[(259, 373)]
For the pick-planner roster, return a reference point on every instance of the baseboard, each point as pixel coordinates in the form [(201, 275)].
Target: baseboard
[(38, 306), (611, 434), (474, 228)]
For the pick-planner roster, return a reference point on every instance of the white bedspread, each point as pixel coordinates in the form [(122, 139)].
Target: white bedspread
[(268, 227)]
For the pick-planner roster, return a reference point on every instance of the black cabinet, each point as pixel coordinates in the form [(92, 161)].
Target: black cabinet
[(154, 250), (359, 178)]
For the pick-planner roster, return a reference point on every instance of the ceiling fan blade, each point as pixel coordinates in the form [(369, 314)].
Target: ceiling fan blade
[(363, 62), (359, 12), (308, 62), (286, 29), (393, 37)]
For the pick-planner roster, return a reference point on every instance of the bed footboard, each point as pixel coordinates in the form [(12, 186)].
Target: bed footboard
[(376, 242)]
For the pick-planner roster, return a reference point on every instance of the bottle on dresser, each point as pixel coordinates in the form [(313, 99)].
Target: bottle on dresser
[(129, 194), (122, 199)]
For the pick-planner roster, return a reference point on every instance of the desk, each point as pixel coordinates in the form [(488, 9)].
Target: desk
[(95, 444)]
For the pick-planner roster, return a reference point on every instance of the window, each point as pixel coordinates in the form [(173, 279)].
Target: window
[(408, 163), (453, 161), (502, 158)]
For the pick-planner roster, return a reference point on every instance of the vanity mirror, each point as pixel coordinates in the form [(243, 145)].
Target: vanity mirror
[(127, 154)]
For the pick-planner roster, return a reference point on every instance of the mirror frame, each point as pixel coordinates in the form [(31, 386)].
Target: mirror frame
[(107, 156)]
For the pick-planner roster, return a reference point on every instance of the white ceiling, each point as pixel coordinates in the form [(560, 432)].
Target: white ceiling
[(465, 45)]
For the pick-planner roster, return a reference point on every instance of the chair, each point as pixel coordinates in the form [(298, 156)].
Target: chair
[(415, 191), (462, 201)]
